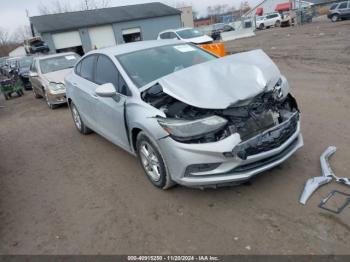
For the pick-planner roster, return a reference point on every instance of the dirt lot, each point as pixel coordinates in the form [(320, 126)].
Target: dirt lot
[(63, 193)]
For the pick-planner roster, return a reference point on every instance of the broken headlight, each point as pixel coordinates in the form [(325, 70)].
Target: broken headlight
[(190, 129), (281, 88)]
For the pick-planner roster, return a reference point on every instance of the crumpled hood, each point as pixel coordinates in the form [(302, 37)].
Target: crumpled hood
[(57, 76), (223, 82)]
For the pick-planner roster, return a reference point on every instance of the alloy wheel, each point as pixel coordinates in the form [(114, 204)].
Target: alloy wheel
[(150, 161), (76, 117)]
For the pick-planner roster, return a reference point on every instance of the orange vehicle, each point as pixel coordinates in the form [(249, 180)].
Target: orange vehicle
[(215, 48), (194, 36)]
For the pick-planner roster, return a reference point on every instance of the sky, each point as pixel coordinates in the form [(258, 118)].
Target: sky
[(13, 12)]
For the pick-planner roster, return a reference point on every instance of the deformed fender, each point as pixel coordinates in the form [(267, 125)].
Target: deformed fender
[(146, 121)]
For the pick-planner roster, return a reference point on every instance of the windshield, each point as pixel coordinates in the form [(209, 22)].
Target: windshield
[(148, 65), (189, 33), (334, 6), (25, 62), (58, 63)]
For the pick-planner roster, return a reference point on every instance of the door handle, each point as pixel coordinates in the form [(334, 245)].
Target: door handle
[(94, 96), (74, 84)]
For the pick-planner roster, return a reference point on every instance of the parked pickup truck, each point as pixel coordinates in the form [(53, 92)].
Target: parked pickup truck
[(35, 45)]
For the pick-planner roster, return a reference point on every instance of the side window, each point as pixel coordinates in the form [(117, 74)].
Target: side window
[(172, 35), (87, 67), (343, 5), (78, 69), (164, 35), (106, 71)]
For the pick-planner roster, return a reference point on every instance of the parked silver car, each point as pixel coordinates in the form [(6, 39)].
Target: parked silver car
[(47, 75), (192, 118)]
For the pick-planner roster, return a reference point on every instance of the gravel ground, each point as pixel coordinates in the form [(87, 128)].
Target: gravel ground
[(63, 193)]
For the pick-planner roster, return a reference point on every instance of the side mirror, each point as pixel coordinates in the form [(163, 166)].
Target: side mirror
[(33, 74), (106, 90)]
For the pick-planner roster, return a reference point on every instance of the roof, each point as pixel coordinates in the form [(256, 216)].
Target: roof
[(79, 19), (135, 46), (43, 57)]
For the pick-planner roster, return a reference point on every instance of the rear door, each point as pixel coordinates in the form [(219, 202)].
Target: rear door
[(83, 90), (110, 111), (343, 9), (347, 11), (36, 85)]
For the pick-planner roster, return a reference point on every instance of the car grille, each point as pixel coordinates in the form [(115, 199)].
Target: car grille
[(268, 140)]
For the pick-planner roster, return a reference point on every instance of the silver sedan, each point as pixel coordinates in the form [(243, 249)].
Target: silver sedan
[(191, 118), (47, 75)]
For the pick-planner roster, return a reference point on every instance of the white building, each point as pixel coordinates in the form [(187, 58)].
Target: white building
[(270, 6), (19, 51), (186, 16)]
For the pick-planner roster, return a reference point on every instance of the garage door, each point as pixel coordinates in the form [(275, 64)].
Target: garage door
[(102, 36), (66, 40)]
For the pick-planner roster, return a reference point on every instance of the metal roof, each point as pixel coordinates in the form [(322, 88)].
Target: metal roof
[(88, 18)]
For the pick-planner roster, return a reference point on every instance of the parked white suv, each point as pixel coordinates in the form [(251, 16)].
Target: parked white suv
[(269, 20), (187, 34)]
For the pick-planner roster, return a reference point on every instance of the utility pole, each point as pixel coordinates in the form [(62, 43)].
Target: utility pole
[(87, 4), (30, 23)]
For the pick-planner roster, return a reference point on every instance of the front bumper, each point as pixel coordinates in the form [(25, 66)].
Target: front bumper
[(187, 162), (57, 98)]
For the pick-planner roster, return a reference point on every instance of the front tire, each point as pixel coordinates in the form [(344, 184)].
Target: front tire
[(277, 24), (335, 18), (79, 124), (35, 94), (152, 162), (261, 26)]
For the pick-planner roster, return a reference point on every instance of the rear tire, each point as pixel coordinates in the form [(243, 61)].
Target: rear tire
[(152, 162), (79, 123), (6, 97)]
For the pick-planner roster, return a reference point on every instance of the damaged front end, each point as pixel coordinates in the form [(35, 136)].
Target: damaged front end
[(263, 122)]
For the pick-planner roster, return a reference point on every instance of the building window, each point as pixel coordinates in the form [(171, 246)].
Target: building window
[(131, 35)]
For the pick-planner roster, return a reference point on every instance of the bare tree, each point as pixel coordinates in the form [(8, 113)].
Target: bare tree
[(93, 4), (57, 6), (63, 6), (4, 37), (21, 33), (6, 43)]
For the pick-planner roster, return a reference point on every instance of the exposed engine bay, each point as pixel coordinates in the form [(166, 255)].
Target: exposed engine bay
[(248, 119)]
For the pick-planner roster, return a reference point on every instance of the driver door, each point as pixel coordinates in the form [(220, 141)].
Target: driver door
[(110, 111)]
